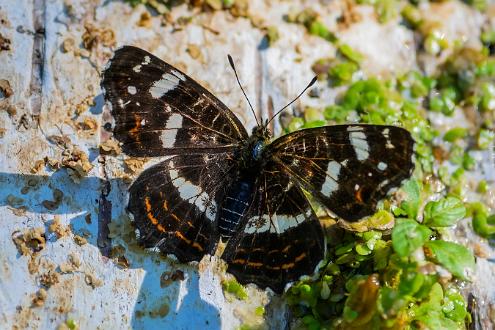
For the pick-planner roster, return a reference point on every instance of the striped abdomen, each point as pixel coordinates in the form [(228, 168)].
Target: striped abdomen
[(234, 206)]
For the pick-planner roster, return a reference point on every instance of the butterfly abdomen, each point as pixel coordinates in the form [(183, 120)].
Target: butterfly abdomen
[(234, 206)]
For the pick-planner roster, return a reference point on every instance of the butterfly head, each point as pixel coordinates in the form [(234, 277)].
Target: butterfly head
[(261, 132), (253, 150)]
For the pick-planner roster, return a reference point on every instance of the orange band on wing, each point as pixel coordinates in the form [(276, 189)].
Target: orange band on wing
[(150, 215), (188, 241)]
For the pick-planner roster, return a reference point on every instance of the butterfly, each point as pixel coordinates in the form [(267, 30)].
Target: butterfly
[(220, 183)]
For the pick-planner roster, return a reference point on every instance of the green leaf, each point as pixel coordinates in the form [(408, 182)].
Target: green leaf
[(444, 213), (456, 258), (412, 201), (454, 305), (408, 235), (455, 133), (411, 282)]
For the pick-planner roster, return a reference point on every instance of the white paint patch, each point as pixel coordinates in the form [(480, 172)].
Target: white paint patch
[(330, 185), (193, 194), (131, 90), (163, 86), (382, 166), (179, 75), (169, 134), (359, 143)]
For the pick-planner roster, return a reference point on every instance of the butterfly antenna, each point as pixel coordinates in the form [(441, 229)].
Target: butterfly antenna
[(231, 61), (294, 100)]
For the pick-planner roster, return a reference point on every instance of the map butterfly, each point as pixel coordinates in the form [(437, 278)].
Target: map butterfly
[(220, 183)]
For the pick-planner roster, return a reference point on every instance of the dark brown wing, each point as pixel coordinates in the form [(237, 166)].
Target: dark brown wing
[(158, 110), (279, 237), (174, 204), (348, 168)]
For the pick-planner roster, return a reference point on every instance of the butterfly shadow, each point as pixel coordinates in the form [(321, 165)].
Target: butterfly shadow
[(169, 295)]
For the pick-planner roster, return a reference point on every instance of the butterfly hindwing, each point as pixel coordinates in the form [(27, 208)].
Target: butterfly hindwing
[(175, 204), (348, 168), (158, 110), (279, 238)]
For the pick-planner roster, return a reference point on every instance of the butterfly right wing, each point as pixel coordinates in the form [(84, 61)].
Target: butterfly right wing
[(279, 238), (347, 168), (174, 204), (159, 110)]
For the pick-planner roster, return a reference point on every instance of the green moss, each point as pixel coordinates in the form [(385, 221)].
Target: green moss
[(272, 34), (233, 287), (71, 324), (350, 53), (260, 310)]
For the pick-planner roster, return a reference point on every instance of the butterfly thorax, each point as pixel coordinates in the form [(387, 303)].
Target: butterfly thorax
[(253, 150)]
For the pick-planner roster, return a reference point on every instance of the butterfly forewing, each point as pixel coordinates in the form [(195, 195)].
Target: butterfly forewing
[(158, 110), (348, 168), (175, 203), (279, 238)]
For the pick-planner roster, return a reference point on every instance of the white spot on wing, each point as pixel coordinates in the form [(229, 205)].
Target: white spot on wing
[(284, 222), (147, 60), (179, 75), (137, 68), (382, 166), (386, 134), (279, 224), (131, 90), (354, 129), (330, 185), (359, 143), (163, 86), (169, 134), (193, 194), (257, 224), (383, 184)]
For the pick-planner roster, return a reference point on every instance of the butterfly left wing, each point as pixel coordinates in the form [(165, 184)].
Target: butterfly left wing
[(279, 237), (348, 168), (159, 110), (175, 203)]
